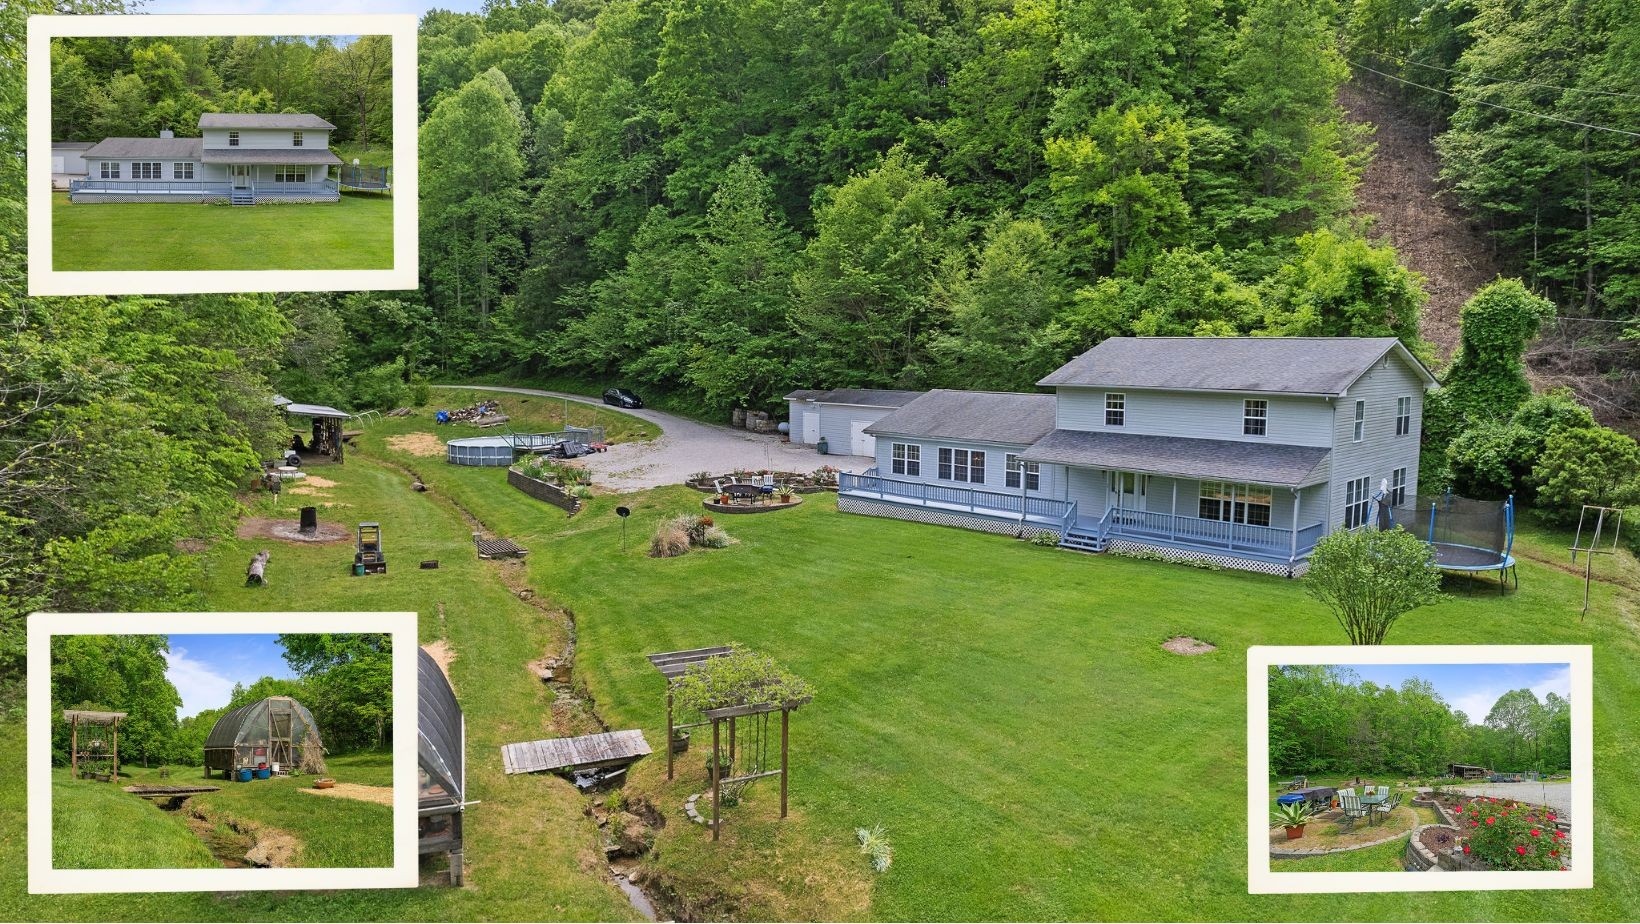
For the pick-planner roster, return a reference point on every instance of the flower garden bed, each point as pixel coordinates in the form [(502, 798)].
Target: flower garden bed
[(821, 479), (563, 486), (1492, 834), (715, 504)]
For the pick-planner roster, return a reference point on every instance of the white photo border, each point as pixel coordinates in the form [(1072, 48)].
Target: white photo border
[(44, 280), (44, 879), (1260, 658)]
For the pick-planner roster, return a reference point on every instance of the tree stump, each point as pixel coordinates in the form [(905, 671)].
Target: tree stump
[(253, 573)]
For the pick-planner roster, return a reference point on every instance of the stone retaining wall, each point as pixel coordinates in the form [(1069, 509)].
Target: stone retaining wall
[(543, 491), (1277, 853)]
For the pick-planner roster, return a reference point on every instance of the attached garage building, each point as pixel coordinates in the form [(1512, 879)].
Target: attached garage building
[(842, 415)]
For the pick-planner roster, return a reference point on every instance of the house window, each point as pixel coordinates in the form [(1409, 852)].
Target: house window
[(295, 139), (962, 465), (1033, 473), (1235, 503), (180, 171), (110, 169), (1360, 420), (1403, 416), (144, 170), (289, 173), (1255, 415), (1356, 502), (1115, 409), (907, 459), (1398, 488), (233, 139)]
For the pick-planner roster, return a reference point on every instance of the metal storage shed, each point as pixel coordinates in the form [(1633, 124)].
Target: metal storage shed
[(441, 751), (841, 416), (277, 731)]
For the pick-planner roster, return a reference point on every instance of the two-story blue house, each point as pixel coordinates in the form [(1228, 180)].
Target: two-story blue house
[(1243, 451)]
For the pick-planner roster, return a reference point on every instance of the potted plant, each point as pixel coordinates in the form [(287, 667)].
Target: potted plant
[(680, 743), (724, 766), (1293, 816)]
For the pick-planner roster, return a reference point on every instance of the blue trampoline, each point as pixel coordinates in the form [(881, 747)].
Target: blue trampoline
[(1469, 536)]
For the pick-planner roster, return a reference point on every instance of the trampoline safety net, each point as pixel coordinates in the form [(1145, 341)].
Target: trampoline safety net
[(1466, 533)]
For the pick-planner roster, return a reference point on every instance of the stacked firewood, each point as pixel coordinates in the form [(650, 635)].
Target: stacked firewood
[(475, 413)]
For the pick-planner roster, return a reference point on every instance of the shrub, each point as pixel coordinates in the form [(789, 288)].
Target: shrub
[(1369, 578), (714, 537), (1046, 540), (420, 392), (670, 541), (1508, 835), (1491, 460), (1586, 465)]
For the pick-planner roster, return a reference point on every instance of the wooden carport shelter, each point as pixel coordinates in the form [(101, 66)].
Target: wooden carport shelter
[(93, 753), (674, 664), (327, 427)]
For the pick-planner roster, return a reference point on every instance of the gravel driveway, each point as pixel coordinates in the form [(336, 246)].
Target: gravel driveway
[(1557, 796), (687, 446)]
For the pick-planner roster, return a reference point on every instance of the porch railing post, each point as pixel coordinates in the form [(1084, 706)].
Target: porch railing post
[(1292, 551)]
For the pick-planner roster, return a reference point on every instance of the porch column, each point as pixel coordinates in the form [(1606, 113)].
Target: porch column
[(1230, 534), (1292, 551)]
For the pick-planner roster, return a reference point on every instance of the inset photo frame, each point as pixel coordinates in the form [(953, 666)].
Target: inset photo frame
[(292, 166), (183, 752), (1419, 768)]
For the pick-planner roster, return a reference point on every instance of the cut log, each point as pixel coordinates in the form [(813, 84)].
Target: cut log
[(253, 574)]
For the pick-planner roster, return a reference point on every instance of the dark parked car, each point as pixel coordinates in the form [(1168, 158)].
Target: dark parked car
[(621, 397)]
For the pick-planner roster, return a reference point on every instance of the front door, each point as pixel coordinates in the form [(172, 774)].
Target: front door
[(1127, 490), (241, 176)]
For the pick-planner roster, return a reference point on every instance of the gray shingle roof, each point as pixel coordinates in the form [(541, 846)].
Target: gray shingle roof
[(269, 156), (72, 145), (262, 120), (180, 148), (1281, 365), (1184, 457), (981, 416), (864, 397)]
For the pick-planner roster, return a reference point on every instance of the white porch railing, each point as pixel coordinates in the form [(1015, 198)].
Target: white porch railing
[(1122, 523), (975, 500), (200, 187)]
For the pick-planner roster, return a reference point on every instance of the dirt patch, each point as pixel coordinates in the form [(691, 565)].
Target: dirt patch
[(311, 486), (381, 795), (289, 530), (441, 652), (1439, 838), (1185, 645), (238, 844), (1330, 831), (273, 849), (424, 445)]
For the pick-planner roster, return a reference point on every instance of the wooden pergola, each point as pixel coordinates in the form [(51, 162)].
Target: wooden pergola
[(92, 753), (674, 664)]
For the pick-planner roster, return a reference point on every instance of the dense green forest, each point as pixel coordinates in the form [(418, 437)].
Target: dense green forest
[(1325, 719), (345, 680), (108, 87), (719, 200)]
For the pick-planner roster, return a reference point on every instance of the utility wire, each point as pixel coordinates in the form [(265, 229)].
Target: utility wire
[(1482, 102), (1529, 83)]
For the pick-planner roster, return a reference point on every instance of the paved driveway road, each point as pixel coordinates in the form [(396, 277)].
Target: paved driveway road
[(687, 446), (1557, 796)]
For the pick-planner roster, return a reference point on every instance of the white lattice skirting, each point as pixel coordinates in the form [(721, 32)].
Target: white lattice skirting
[(938, 517), (1222, 559)]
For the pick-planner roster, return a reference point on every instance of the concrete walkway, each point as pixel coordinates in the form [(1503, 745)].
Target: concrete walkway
[(688, 446), (1557, 796)]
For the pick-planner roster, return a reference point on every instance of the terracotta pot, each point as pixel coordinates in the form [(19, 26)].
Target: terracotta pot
[(323, 784), (1294, 832)]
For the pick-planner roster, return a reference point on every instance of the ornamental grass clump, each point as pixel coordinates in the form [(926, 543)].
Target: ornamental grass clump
[(676, 536), (874, 844), (1508, 835)]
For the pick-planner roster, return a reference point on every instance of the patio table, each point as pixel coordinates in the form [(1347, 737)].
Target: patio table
[(1368, 801)]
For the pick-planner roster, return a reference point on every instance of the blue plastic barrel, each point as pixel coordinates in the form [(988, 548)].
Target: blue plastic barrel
[(264, 773), (245, 776)]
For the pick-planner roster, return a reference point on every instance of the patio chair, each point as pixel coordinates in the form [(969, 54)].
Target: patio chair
[(1352, 807), (1383, 791), (1388, 806)]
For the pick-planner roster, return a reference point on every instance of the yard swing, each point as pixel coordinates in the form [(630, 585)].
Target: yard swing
[(730, 689)]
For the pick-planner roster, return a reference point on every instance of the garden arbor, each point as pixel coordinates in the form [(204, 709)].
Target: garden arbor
[(726, 686), (90, 753)]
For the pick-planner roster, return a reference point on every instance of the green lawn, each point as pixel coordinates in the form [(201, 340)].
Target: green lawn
[(354, 233), (1005, 712), (527, 413), (100, 826)]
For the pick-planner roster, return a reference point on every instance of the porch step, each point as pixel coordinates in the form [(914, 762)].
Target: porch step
[(242, 197), (1081, 541)]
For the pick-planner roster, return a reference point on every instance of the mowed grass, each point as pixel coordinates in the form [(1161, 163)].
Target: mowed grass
[(100, 826), (525, 413), (353, 233)]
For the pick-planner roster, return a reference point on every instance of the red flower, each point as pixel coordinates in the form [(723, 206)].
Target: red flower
[(1521, 851), (1536, 832), (1466, 848), (1560, 835), (1550, 816), (1491, 821), (1554, 853)]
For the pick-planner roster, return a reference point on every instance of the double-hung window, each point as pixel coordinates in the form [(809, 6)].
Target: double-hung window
[(1235, 503), (290, 173), (1403, 416), (182, 171), (1360, 420), (110, 170), (1255, 417), (295, 139), (233, 139), (907, 459), (1356, 502), (1115, 409), (1031, 470), (1398, 488), (145, 170), (962, 465)]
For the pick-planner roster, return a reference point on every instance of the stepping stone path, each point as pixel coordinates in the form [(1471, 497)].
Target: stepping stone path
[(694, 813)]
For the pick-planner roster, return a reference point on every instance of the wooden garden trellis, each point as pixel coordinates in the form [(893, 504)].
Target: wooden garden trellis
[(92, 753), (672, 665)]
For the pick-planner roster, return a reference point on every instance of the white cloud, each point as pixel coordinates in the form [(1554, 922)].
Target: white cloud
[(1478, 701), (201, 687)]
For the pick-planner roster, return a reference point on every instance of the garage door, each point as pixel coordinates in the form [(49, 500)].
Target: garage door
[(57, 164), (861, 443)]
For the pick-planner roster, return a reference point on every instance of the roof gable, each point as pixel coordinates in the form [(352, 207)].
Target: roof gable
[(976, 416), (1274, 365)]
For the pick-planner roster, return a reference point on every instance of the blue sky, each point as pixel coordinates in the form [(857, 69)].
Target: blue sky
[(204, 668), (1473, 688)]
